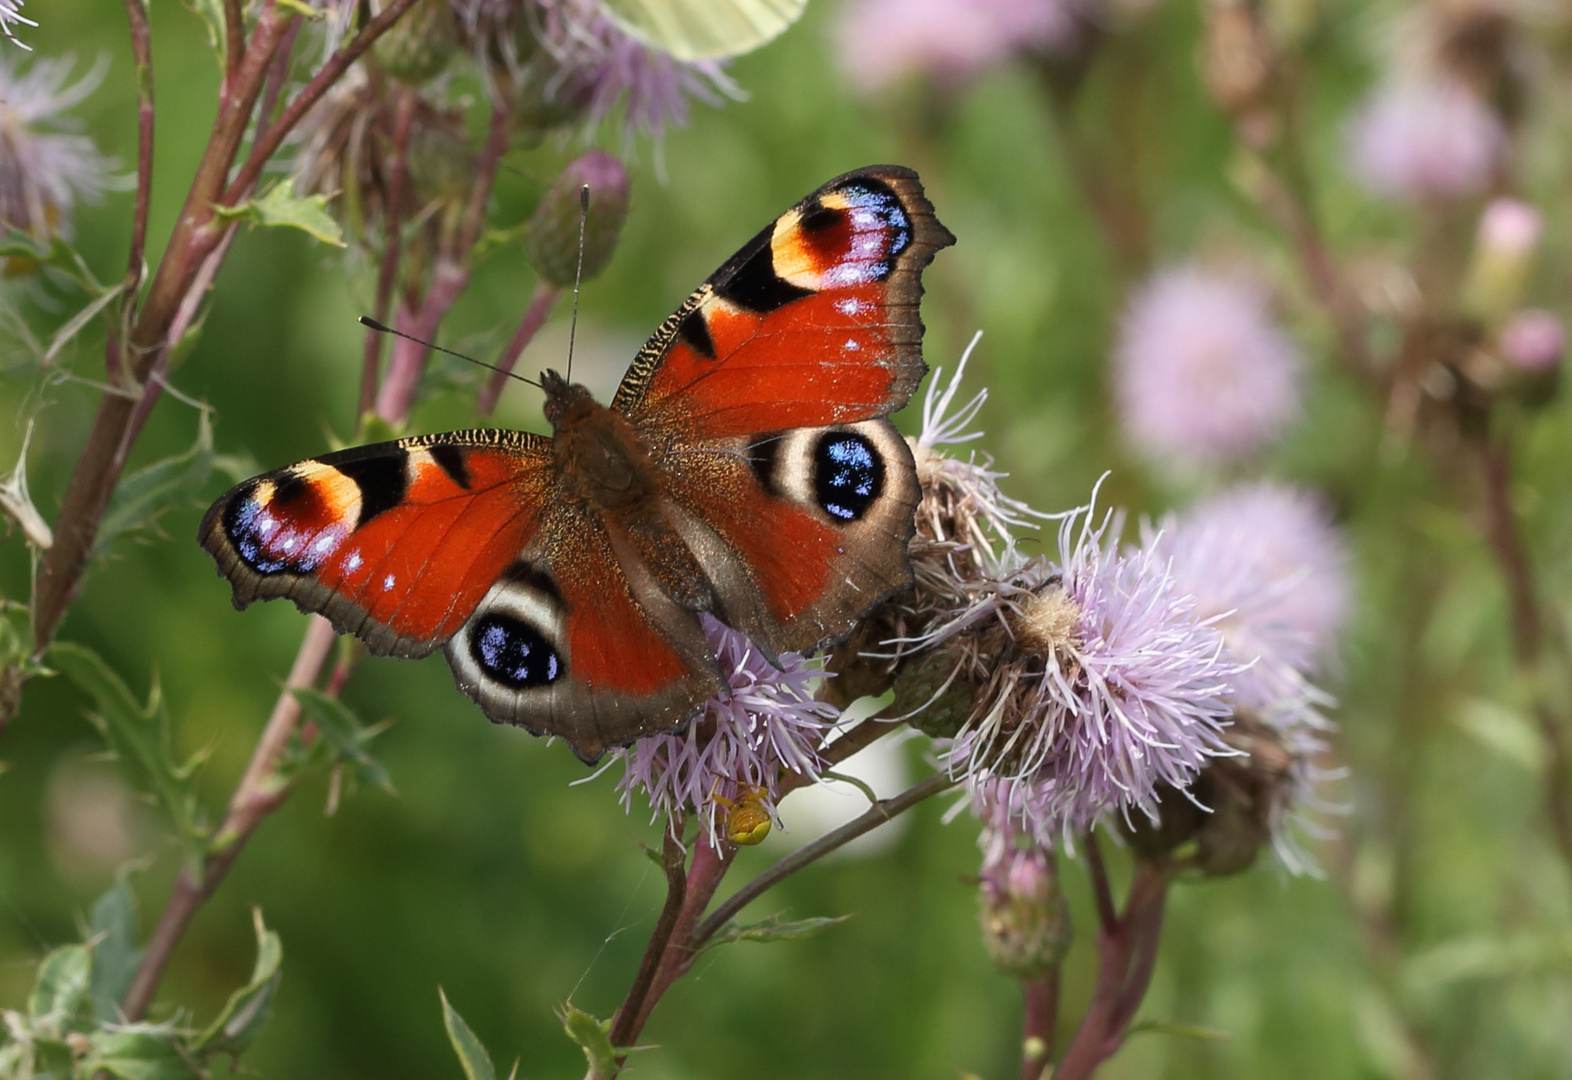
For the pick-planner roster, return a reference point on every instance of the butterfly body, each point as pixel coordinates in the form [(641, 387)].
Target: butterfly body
[(745, 469)]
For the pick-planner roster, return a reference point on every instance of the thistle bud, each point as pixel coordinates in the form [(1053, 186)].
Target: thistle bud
[(551, 239), (1024, 917), (417, 48), (1503, 257)]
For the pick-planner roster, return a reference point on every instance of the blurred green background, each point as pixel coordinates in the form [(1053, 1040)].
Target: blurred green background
[(489, 876)]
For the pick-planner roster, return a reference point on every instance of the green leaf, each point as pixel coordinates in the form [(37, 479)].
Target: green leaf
[(138, 734), (249, 1006), (178, 481), (211, 12), (593, 1037), (772, 929), (279, 206), (303, 9), (1183, 1031), (115, 955), (57, 254), (345, 733), (471, 1053), (140, 1052), (62, 997), (73, 326)]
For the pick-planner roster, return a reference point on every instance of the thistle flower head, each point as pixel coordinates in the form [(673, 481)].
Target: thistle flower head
[(567, 61), (766, 725), (1108, 688), (1023, 913), (44, 167), (10, 17), (1266, 566), (1202, 373), (950, 41), (1425, 138)]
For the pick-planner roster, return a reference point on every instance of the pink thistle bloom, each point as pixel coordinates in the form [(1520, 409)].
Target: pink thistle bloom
[(11, 16), (1202, 374), (1533, 341), (1124, 690), (767, 724), (1266, 566), (950, 41), (1510, 228), (44, 166), (1425, 139)]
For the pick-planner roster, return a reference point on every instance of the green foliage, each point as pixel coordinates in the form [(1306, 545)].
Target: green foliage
[(592, 1035), (115, 951), (343, 738), (773, 929), (280, 207), (140, 735), (176, 482), (247, 1009), (466, 1044)]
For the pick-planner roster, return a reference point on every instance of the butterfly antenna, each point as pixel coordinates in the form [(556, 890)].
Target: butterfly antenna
[(372, 324), (578, 275)]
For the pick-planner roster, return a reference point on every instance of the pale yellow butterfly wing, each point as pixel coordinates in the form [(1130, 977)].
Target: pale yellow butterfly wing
[(704, 29)]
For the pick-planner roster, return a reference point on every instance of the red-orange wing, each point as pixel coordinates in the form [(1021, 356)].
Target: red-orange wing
[(396, 543), (815, 321), (464, 540), (764, 397)]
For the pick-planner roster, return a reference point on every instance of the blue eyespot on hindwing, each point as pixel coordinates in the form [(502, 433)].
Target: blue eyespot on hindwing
[(513, 653), (848, 474)]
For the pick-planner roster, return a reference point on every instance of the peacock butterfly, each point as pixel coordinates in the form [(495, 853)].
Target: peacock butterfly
[(745, 468)]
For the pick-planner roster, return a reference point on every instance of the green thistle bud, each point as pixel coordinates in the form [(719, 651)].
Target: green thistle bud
[(551, 239), (417, 48), (1024, 917)]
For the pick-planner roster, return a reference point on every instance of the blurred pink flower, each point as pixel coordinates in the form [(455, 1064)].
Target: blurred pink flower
[(45, 167), (1510, 228), (883, 41), (1533, 340), (1267, 567), (1418, 139), (1202, 374), (766, 725)]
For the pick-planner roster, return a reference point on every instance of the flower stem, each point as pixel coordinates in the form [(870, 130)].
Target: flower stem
[(673, 860), (387, 272), (540, 305), (1040, 1016), (1128, 954)]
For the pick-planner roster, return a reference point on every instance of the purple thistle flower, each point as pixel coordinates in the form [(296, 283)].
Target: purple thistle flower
[(1266, 566), (1202, 374), (1425, 138), (950, 41), (1120, 689), (45, 169), (769, 723)]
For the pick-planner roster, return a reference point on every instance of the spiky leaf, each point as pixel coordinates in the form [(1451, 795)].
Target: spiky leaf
[(593, 1037), (343, 731), (773, 929), (140, 1052), (466, 1044), (62, 997), (115, 955), (247, 1009)]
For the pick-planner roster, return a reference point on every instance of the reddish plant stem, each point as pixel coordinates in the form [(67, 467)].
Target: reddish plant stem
[(277, 76), (1528, 630), (387, 272), (1040, 1016), (451, 275), (193, 239), (540, 304), (673, 860), (1128, 954), (705, 872), (1102, 892), (234, 37), (142, 53), (266, 146)]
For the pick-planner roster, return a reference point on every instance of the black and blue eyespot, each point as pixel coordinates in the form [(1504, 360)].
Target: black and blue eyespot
[(848, 474), (247, 529), (514, 653)]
